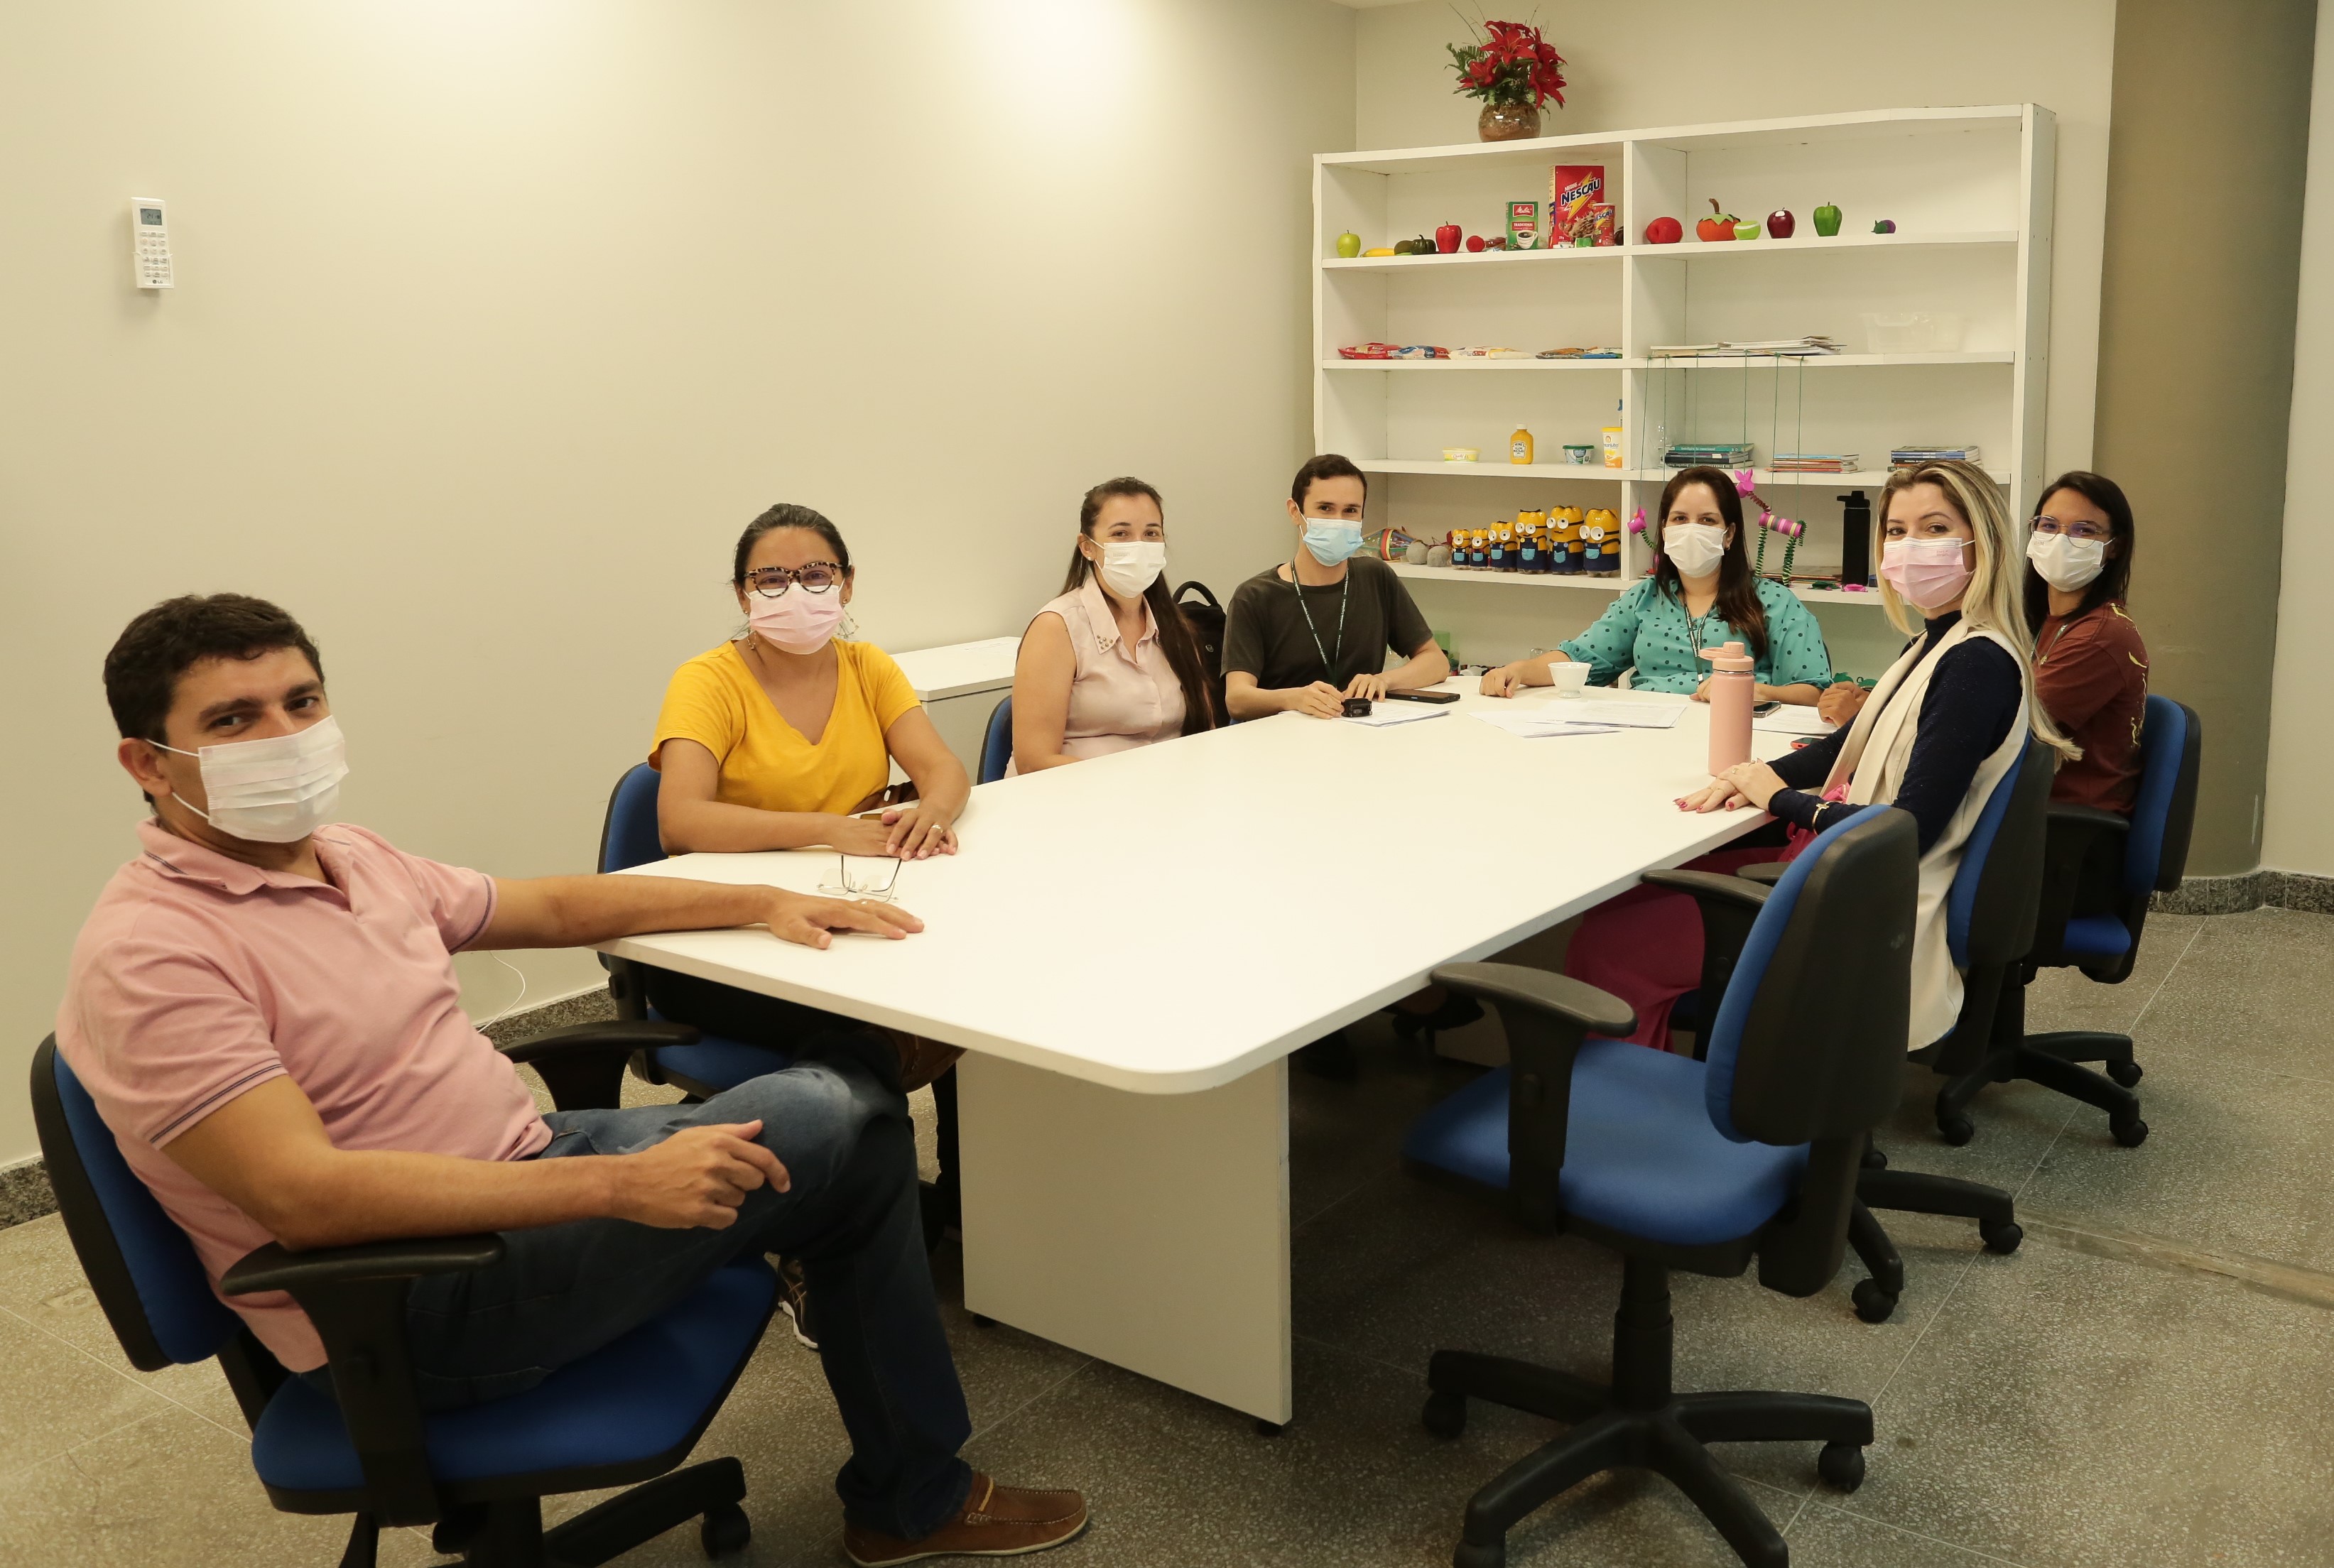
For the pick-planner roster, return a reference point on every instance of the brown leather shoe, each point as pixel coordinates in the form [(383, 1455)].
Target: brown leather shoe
[(921, 1060), (997, 1522)]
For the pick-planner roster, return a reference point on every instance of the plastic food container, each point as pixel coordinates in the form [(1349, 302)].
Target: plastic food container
[(1579, 454), (1462, 454), (1914, 332)]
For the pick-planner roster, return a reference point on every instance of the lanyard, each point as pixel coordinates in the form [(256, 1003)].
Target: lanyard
[(1343, 592)]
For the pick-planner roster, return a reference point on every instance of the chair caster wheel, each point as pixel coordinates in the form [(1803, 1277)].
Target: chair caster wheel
[(1956, 1130), (1446, 1415), (2131, 1134), (1872, 1304), (1875, 1160), (2002, 1238), (1469, 1555), (2126, 1074), (725, 1530), (1841, 1466)]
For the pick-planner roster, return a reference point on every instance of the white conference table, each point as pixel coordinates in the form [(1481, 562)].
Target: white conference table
[(1131, 948)]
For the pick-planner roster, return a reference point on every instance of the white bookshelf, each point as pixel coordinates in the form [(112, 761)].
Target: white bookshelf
[(1970, 190)]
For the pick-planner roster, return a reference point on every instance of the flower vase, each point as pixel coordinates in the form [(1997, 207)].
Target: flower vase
[(1507, 121)]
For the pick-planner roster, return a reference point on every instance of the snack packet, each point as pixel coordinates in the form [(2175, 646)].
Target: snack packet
[(1523, 225)]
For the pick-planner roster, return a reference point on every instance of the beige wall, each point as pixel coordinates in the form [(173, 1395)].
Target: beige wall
[(2298, 832), (496, 319), (2204, 581)]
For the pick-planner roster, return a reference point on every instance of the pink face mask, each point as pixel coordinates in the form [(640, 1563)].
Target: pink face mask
[(1928, 572), (798, 620)]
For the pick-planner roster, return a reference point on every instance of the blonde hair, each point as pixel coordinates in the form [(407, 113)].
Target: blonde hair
[(1994, 600)]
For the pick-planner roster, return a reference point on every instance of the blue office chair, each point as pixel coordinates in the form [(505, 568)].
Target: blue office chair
[(628, 1413), (1989, 913), (997, 743), (699, 1063), (1678, 1163), (2103, 944)]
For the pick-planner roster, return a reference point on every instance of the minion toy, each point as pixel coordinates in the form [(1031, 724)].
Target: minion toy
[(1502, 556), (1479, 547), (1600, 541), (1564, 540), (1531, 551)]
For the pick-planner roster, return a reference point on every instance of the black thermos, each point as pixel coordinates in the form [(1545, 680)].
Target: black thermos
[(1855, 537)]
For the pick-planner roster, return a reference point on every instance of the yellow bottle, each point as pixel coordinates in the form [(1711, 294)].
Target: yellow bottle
[(1519, 446)]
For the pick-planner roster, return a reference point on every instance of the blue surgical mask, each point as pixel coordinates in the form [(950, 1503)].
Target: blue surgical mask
[(1332, 543)]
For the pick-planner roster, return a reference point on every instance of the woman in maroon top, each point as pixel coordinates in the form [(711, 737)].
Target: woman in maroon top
[(2090, 667)]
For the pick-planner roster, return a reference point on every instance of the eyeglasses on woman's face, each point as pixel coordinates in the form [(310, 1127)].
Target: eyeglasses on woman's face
[(2073, 527), (816, 577)]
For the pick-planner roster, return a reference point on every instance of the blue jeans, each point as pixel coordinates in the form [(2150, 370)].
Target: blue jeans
[(851, 1218)]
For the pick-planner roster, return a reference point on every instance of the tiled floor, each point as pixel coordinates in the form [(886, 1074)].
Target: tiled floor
[(2145, 1381)]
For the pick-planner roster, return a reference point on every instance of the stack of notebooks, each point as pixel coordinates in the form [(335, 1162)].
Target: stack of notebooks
[(1905, 457), (1814, 343), (1816, 463), (1718, 455)]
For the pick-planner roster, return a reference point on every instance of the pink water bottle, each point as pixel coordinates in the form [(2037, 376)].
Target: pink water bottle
[(1731, 689)]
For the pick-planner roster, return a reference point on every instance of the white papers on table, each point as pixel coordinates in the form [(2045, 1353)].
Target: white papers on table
[(1536, 722), (1791, 718), (1385, 713), (1614, 710)]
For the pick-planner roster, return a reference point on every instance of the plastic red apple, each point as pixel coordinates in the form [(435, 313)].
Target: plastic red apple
[(1664, 231), (1780, 223)]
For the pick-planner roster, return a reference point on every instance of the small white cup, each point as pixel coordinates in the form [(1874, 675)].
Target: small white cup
[(1571, 678)]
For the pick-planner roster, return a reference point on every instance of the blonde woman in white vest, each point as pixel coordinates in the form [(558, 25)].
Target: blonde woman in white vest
[(1945, 723)]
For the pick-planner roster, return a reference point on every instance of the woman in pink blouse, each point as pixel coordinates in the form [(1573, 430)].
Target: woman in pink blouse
[(1109, 665)]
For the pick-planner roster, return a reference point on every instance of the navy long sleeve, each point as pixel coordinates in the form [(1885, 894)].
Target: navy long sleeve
[(1965, 715)]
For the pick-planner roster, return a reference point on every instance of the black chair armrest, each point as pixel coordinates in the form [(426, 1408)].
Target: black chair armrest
[(277, 1267), (1766, 873), (1547, 1017), (2065, 815), (1730, 906), (1741, 892), (355, 1295), (582, 1065)]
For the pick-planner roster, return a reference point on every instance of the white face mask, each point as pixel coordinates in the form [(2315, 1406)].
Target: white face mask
[(276, 790), (1697, 548), (1129, 566), (2065, 564)]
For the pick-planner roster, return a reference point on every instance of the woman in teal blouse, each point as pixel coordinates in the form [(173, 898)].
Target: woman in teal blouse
[(1701, 594)]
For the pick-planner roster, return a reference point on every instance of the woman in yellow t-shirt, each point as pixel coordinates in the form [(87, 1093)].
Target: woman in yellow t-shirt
[(781, 739)]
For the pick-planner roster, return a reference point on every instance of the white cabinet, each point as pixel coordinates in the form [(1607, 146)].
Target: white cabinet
[(1970, 193)]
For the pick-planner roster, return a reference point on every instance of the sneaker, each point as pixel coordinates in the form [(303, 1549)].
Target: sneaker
[(794, 1299), (921, 1060), (997, 1522)]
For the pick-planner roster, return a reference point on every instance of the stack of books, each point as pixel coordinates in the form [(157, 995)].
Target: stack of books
[(1813, 344), (1816, 463), (1718, 455), (1906, 456)]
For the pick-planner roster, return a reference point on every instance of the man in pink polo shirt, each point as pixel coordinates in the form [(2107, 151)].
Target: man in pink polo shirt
[(263, 1009)]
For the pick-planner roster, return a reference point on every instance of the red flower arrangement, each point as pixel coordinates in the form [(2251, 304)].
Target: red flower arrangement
[(1512, 63)]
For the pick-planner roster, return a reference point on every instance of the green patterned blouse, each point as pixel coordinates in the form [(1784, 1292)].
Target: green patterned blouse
[(1650, 631)]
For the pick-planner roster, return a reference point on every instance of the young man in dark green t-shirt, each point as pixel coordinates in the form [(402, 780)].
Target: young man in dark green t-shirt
[(1304, 635)]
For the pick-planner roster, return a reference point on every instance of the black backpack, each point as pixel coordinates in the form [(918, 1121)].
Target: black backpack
[(1206, 619)]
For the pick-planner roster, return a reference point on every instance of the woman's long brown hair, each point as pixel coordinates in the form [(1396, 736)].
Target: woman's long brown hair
[(1738, 591), (1182, 650)]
